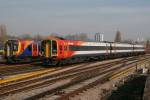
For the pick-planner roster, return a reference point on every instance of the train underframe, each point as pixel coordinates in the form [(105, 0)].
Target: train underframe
[(84, 58), (18, 60)]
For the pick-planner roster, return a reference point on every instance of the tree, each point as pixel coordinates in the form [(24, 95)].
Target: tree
[(118, 37), (3, 33)]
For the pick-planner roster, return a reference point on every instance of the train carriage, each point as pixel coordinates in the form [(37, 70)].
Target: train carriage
[(16, 51), (57, 51), (121, 49), (139, 49)]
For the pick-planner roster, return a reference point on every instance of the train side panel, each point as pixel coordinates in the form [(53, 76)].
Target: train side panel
[(121, 50), (21, 50), (139, 49), (76, 51), (82, 50)]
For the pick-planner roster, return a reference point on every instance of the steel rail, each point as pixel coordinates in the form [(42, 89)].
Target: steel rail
[(74, 81)]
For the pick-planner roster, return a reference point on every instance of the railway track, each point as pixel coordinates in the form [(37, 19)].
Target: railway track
[(2, 63), (73, 74), (78, 79), (9, 66), (107, 77), (57, 75), (7, 70)]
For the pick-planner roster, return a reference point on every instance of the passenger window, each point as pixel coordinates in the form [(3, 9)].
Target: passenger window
[(54, 47)]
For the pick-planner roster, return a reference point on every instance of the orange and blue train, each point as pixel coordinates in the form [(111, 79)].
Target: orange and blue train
[(16, 51)]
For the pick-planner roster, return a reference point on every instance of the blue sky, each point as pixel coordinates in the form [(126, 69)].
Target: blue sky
[(131, 17)]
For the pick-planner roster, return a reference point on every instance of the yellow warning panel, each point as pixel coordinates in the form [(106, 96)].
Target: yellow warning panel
[(47, 49)]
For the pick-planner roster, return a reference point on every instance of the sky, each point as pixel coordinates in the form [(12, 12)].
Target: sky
[(131, 17)]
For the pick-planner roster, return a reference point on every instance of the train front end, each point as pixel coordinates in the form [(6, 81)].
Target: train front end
[(49, 52), (11, 49)]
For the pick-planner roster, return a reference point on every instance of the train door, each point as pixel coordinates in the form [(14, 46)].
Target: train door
[(54, 48), (65, 49), (110, 48), (134, 50), (114, 48), (107, 49), (48, 49), (8, 50), (45, 48)]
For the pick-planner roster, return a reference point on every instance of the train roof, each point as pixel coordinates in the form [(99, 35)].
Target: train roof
[(60, 38)]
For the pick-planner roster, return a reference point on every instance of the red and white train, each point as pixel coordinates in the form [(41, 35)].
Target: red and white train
[(60, 51)]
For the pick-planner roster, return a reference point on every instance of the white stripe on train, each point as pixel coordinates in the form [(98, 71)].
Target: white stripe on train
[(104, 51), (90, 52)]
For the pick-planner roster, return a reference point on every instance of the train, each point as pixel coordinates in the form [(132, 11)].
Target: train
[(58, 51), (18, 51)]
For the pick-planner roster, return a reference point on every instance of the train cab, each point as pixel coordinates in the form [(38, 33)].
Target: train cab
[(49, 51), (11, 48), (22, 51), (49, 48)]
